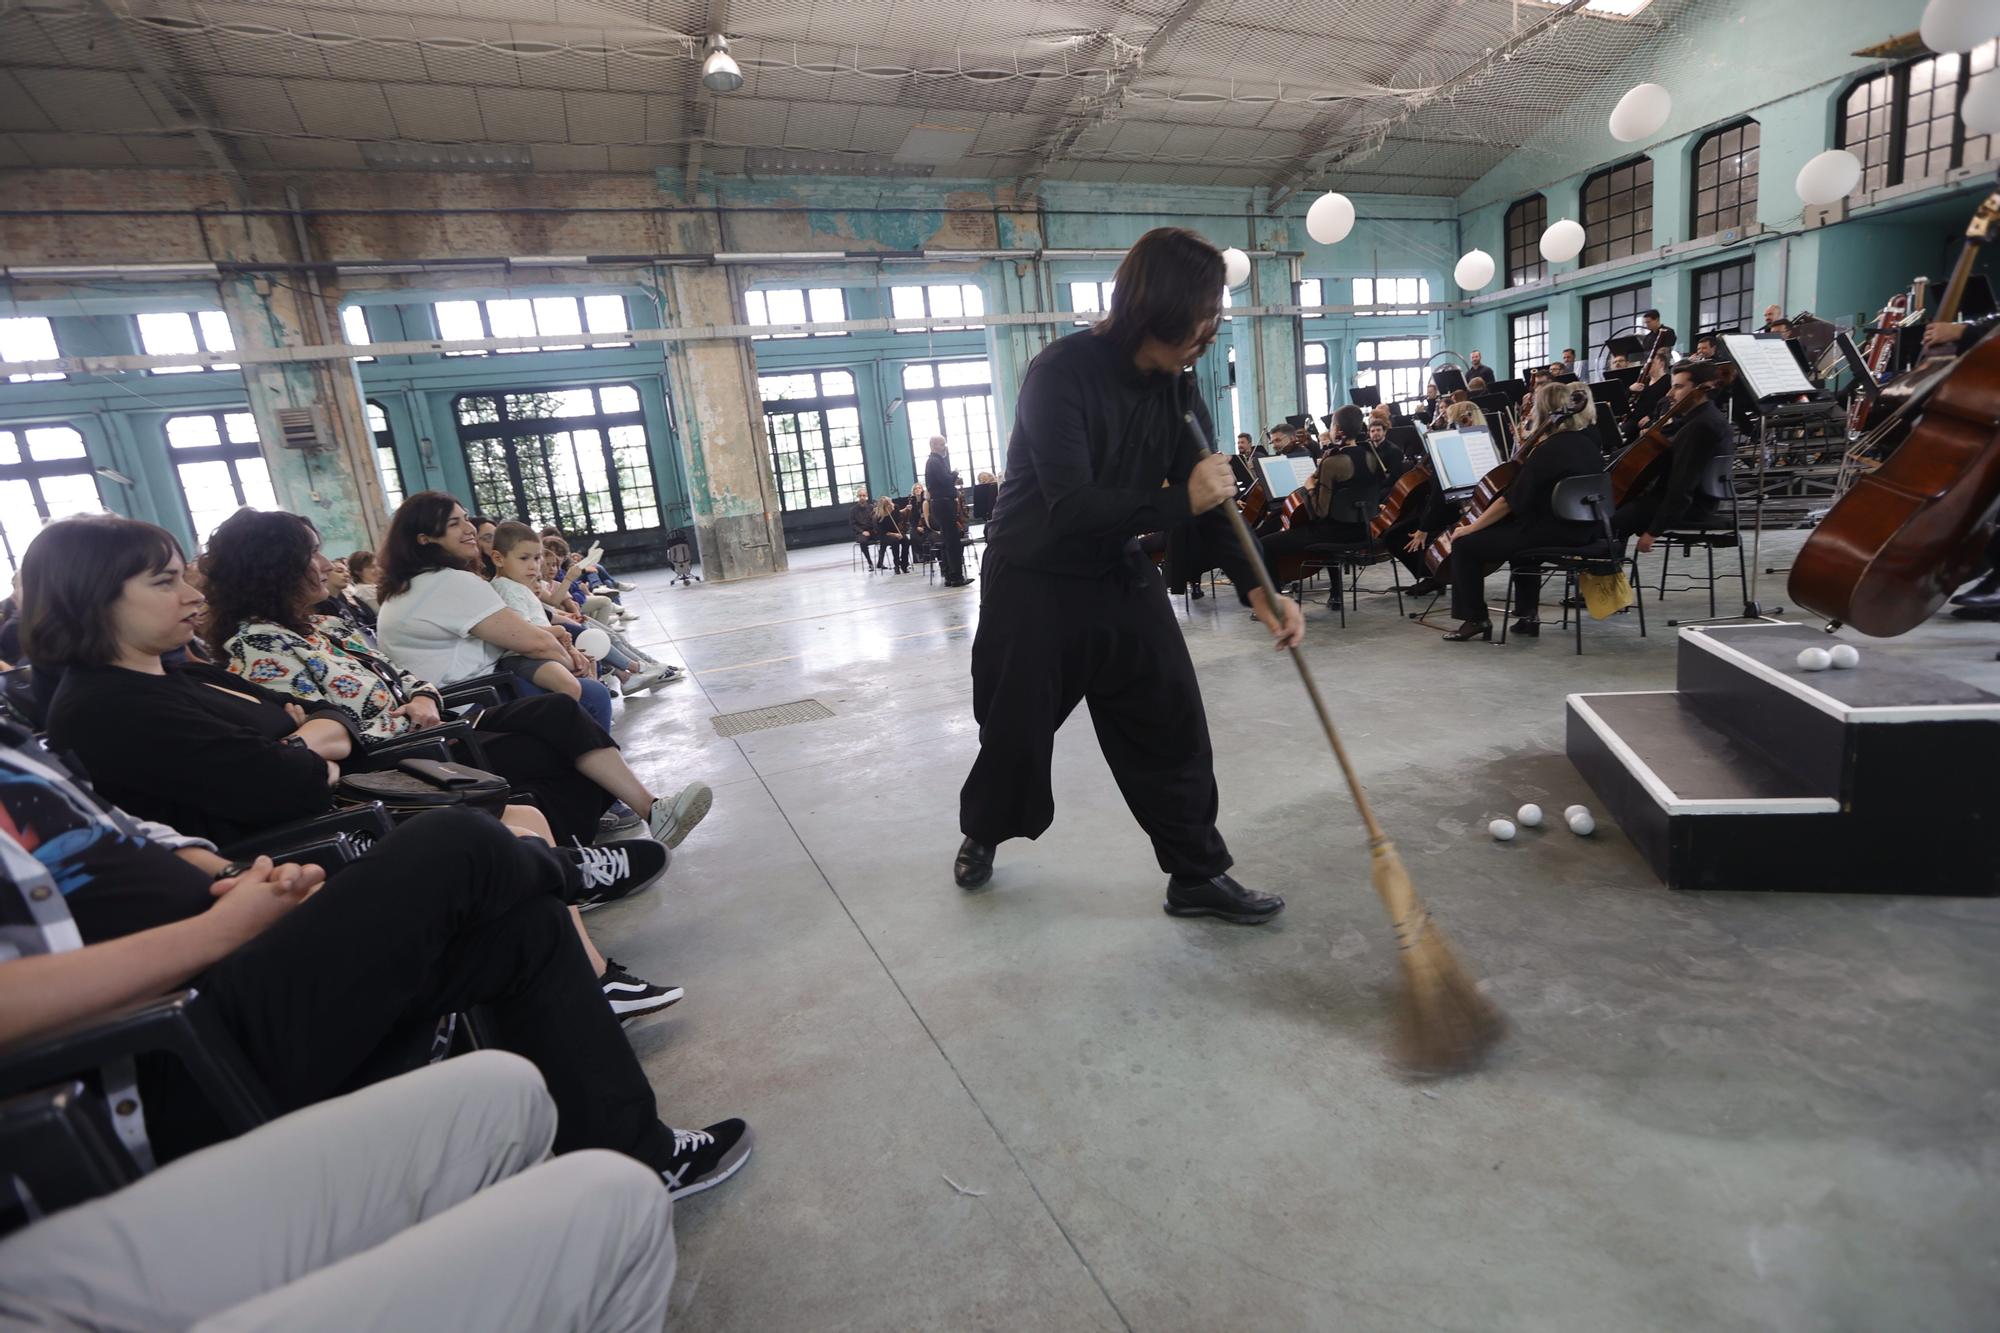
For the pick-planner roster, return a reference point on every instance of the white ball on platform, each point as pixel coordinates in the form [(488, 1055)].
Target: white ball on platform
[(1502, 830), (1814, 659), (1530, 815), (1845, 656), (1571, 812), (1582, 824), (594, 641)]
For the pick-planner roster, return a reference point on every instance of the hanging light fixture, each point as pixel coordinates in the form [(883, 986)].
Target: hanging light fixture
[(719, 72)]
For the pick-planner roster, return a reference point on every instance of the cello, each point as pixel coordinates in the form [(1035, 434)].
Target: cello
[(1904, 308), (1892, 549), (1495, 483), (1632, 465)]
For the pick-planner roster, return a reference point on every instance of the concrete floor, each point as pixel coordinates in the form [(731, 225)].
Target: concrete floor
[(1050, 1106)]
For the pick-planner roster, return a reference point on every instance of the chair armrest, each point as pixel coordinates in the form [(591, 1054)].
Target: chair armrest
[(495, 687), (54, 1141), (386, 754), (175, 1025), (363, 823)]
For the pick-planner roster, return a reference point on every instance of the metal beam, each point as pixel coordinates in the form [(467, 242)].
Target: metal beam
[(1085, 112), (1320, 159), (178, 100)]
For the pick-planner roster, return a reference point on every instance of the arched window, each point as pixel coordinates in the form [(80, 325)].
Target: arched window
[(1725, 178), (1527, 219), (1903, 121), (1618, 211)]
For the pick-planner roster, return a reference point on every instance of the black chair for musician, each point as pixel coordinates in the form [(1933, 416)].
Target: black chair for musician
[(1717, 486), (1345, 560), (1585, 499)]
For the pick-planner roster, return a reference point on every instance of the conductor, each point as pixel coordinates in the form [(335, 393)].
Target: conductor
[(1071, 611), (942, 485)]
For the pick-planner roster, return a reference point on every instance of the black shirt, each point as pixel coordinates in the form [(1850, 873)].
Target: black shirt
[(1701, 438), (939, 486), (1567, 453), (211, 764), (1094, 438)]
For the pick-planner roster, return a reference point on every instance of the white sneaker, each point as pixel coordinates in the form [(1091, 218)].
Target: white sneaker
[(672, 820), (644, 680)]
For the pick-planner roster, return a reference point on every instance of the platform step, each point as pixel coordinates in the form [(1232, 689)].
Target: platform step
[(1711, 812), (1852, 733)]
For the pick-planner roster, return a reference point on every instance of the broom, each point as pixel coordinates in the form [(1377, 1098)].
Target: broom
[(1443, 1023)]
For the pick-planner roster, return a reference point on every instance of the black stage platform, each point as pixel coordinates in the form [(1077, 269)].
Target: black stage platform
[(1756, 774)]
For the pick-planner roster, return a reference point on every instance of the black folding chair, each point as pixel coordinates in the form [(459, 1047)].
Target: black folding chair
[(1345, 560), (1585, 499), (1717, 485)]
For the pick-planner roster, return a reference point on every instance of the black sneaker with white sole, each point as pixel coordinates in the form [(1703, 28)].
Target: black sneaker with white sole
[(614, 870), (704, 1158), (634, 997)]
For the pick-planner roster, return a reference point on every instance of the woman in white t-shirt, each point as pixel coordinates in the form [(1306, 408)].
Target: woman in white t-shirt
[(442, 622)]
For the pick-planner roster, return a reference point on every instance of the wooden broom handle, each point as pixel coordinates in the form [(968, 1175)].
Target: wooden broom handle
[(1255, 556)]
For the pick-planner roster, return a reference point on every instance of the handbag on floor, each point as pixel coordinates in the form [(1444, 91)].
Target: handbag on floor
[(1605, 595)]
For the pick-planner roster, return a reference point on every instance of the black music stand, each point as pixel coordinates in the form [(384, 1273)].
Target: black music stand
[(1630, 346), (1609, 438), (1449, 379), (1365, 397), (1616, 394)]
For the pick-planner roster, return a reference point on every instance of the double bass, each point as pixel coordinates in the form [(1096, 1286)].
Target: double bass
[(1495, 483), (1892, 549), (1904, 308)]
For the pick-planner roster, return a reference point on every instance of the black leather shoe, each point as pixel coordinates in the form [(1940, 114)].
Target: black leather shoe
[(1471, 629), (974, 865), (1221, 897), (1424, 588), (1527, 629), (1986, 587), (1979, 601)]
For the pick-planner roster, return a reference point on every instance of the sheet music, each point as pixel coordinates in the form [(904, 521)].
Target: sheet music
[(1462, 457), (1285, 475), (1767, 365)]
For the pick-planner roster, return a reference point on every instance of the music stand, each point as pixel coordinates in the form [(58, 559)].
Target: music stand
[(1616, 394), (1365, 397), (1459, 458), (983, 495), (1609, 438), (1449, 379), (1630, 346)]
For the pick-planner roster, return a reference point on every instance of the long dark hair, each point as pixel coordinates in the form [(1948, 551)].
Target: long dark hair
[(426, 513), (1168, 285), (72, 573), (254, 569)]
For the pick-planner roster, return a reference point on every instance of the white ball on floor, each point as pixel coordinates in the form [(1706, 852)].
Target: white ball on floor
[(1845, 656), (594, 641), (1573, 811), (1502, 830), (1530, 815), (1814, 659), (1582, 824)]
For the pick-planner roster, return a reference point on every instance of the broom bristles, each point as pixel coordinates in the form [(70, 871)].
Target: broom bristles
[(1444, 1023)]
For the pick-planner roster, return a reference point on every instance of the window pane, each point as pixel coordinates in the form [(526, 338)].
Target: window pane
[(946, 303), (240, 427), (10, 447), (1315, 354), (829, 306), (192, 432), (354, 324), (906, 303), (1310, 294), (558, 315), (29, 338), (787, 307), (605, 314), (973, 299), (256, 479), (71, 493), (49, 443), (210, 496), (755, 309), (836, 383), (378, 420), (918, 376), (459, 320), (964, 372), (512, 318), (168, 334), (215, 334), (619, 398)]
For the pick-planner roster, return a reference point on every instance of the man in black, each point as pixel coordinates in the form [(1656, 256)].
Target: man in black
[(1667, 499), (942, 486), (861, 518), (1071, 612), (1659, 337)]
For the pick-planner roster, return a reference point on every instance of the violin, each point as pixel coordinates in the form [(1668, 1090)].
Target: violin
[(1630, 467), (1903, 538), (1495, 483)]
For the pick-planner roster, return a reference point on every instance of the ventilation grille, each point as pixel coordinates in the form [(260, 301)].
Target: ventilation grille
[(777, 715), (302, 428)]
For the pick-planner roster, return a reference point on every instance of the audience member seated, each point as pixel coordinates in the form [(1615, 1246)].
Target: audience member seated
[(426, 1196), (210, 753), (521, 559), (320, 984), (341, 603), (361, 568), (444, 622), (263, 579), (625, 656), (596, 605)]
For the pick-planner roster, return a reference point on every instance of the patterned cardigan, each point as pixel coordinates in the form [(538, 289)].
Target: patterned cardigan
[(330, 665)]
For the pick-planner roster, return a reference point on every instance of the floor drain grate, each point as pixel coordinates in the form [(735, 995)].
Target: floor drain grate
[(777, 715)]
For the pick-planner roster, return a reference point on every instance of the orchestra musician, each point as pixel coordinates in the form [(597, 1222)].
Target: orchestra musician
[(1569, 360), (1649, 401), (1352, 461), (890, 539), (1520, 519), (943, 517), (1659, 337), (1704, 347), (861, 518), (1073, 614), (1665, 497)]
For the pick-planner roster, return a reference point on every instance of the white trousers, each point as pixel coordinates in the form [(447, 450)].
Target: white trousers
[(424, 1202)]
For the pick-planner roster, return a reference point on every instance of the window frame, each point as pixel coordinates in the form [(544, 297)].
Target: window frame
[(193, 318), (1895, 167), (1412, 371), (1745, 295), (1642, 294), (1321, 371), (1395, 305), (36, 376), (387, 465), (507, 428), (590, 336), (940, 393), (1101, 288), (1537, 268), (1515, 341), (34, 470), (225, 450), (1744, 210), (963, 288), (819, 405), (805, 294), (1602, 243)]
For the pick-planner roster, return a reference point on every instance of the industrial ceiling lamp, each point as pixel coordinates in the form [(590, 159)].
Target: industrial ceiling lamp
[(719, 73)]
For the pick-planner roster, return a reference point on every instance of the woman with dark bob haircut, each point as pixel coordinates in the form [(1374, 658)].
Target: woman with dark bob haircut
[(445, 623), (265, 575)]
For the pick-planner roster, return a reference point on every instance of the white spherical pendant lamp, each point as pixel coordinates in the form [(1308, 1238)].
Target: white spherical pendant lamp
[(1563, 241), (1330, 218)]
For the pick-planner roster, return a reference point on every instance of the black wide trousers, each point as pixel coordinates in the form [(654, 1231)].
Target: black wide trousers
[(1047, 642)]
